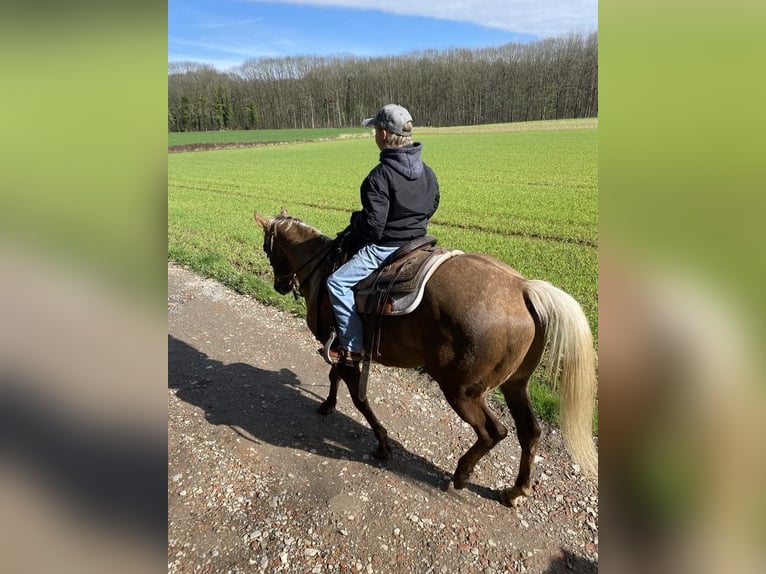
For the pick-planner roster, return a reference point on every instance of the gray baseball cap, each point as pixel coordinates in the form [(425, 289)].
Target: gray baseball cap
[(392, 118)]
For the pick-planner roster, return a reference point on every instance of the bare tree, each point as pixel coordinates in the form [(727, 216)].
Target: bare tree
[(549, 79)]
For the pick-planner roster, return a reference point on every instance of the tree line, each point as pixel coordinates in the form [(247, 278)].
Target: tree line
[(554, 78)]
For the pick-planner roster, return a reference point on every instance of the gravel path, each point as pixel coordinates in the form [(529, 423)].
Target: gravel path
[(258, 481)]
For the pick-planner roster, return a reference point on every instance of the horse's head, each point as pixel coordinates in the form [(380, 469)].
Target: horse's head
[(284, 274)]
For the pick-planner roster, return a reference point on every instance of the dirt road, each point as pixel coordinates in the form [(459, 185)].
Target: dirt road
[(258, 481)]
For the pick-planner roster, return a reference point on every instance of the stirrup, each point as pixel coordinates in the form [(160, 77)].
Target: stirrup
[(345, 357)]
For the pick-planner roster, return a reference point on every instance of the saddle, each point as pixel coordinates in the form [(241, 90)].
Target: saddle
[(396, 288)]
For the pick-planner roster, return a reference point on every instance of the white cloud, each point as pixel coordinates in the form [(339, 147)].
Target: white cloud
[(543, 18), (228, 47)]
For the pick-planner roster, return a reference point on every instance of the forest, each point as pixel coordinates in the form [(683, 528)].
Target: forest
[(554, 78)]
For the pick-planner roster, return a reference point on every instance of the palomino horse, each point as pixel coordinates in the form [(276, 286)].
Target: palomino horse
[(480, 325)]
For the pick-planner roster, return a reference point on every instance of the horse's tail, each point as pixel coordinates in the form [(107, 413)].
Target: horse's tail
[(572, 363)]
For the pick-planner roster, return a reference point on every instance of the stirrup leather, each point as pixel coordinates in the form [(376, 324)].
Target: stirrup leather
[(327, 346)]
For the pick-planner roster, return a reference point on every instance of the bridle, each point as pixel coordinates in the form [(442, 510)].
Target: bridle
[(295, 282)]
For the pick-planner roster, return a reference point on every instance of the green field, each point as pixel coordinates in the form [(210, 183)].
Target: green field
[(526, 194), (261, 136)]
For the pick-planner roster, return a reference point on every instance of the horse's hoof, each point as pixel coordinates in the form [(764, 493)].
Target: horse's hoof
[(326, 408), (382, 453), (459, 482), (513, 497)]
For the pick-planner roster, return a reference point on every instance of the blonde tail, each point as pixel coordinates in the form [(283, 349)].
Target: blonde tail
[(573, 364)]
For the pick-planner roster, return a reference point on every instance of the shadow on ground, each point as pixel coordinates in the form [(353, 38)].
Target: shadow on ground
[(568, 563), (274, 407)]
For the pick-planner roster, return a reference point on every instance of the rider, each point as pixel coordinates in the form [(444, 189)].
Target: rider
[(399, 196)]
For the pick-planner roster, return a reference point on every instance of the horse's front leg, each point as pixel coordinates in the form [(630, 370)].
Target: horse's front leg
[(351, 375), (328, 405)]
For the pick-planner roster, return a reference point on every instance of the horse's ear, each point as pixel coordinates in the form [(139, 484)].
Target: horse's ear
[(261, 220), (283, 212)]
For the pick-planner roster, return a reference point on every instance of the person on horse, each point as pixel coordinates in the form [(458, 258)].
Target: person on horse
[(399, 196)]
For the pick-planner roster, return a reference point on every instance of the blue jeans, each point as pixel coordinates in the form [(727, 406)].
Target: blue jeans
[(339, 286)]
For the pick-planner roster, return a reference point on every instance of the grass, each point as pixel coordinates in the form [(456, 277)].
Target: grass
[(527, 195), (262, 136)]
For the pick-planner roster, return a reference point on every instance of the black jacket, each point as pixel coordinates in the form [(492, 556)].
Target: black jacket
[(399, 196)]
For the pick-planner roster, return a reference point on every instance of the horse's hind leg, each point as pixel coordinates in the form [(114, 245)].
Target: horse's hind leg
[(351, 374), (329, 403), (516, 396), (489, 431)]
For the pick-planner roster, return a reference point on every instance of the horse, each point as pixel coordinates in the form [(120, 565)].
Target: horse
[(480, 325)]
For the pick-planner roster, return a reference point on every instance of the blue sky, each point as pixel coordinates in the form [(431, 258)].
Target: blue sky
[(225, 33)]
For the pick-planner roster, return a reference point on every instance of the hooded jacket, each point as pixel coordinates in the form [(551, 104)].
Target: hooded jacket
[(398, 196)]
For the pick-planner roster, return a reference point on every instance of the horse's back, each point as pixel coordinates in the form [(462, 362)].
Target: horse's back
[(488, 265), (477, 281)]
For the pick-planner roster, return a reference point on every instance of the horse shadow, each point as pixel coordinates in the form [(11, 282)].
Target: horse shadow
[(567, 563), (275, 407)]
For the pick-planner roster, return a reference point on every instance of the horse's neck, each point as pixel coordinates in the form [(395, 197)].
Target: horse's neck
[(301, 242), (308, 254)]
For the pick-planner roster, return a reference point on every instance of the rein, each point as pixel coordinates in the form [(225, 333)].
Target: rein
[(295, 281), (320, 259)]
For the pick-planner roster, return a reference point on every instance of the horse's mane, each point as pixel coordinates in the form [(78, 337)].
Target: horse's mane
[(281, 218)]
